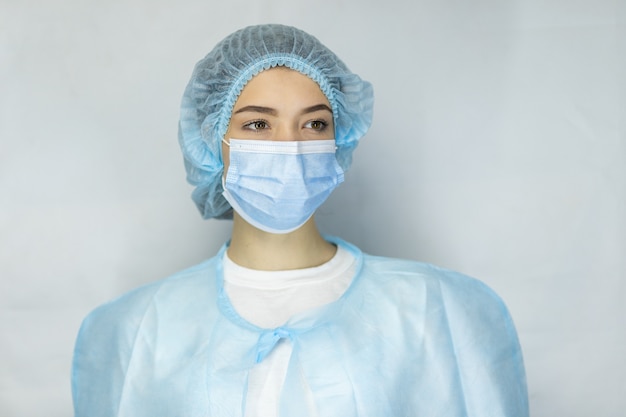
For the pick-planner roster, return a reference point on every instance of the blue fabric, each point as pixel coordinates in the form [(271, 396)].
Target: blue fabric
[(219, 78), (276, 186), (406, 339)]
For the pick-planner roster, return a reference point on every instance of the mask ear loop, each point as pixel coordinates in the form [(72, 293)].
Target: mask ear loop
[(223, 172)]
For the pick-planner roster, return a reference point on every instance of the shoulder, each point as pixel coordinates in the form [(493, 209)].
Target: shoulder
[(465, 300), (466, 318), (130, 307), (408, 272), (409, 279), (110, 334), (112, 328)]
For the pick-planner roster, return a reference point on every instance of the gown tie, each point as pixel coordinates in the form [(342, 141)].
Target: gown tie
[(269, 339)]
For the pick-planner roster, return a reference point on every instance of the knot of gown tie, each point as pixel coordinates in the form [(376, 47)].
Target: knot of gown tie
[(269, 339)]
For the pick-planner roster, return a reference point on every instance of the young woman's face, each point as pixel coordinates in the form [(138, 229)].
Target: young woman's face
[(280, 104)]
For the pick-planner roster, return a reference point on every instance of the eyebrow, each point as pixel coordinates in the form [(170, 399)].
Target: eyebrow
[(257, 109), (317, 107), (273, 112)]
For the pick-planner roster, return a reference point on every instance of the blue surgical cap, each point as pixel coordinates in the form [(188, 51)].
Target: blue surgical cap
[(219, 78)]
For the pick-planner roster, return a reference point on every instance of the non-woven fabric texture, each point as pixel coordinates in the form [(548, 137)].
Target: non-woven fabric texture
[(219, 78), (405, 339)]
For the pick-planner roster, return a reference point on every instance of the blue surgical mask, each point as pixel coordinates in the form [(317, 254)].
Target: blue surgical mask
[(276, 186)]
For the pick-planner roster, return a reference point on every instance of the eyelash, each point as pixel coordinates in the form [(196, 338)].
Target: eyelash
[(323, 124), (251, 125)]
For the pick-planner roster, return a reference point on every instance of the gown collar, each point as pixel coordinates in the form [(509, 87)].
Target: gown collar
[(300, 322)]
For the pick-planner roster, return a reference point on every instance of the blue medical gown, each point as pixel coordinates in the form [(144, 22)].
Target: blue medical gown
[(405, 339)]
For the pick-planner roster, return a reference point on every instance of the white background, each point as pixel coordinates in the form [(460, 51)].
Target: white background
[(498, 149)]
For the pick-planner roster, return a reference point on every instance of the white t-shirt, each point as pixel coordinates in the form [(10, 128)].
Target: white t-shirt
[(268, 299)]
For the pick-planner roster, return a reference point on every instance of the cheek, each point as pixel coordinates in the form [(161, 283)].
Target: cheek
[(225, 157)]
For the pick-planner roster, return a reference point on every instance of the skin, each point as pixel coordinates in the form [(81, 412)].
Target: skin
[(279, 104)]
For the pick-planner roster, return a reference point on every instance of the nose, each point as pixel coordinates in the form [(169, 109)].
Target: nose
[(288, 132)]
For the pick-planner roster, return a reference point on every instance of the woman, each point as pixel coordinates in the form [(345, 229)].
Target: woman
[(284, 321)]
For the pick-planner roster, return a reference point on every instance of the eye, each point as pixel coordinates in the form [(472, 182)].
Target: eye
[(256, 125), (318, 125)]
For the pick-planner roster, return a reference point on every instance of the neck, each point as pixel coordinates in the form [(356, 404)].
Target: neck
[(256, 249)]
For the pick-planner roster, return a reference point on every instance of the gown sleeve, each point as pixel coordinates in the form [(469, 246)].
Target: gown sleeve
[(102, 353), (491, 369)]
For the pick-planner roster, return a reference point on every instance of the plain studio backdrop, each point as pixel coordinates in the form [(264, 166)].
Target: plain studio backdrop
[(498, 149)]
